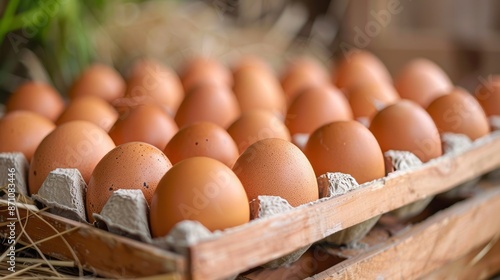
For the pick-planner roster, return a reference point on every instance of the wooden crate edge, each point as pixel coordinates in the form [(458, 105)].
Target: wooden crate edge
[(263, 240), (437, 241), (96, 250)]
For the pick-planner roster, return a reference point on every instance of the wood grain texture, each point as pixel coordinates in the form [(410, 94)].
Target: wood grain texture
[(263, 240), (104, 253), (480, 263), (430, 245), (314, 261), (250, 245)]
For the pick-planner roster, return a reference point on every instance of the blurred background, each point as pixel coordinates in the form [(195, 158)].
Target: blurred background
[(54, 40)]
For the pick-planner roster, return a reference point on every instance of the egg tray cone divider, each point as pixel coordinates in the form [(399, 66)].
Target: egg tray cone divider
[(442, 243), (266, 206), (457, 143), (461, 189), (493, 174), (461, 241), (335, 184), (412, 209), (495, 124), (263, 240), (244, 247), (353, 233), (401, 161), (94, 250)]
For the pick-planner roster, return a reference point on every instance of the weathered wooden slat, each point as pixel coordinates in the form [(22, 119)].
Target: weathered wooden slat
[(314, 261), (96, 250), (429, 245), (264, 240), (480, 263)]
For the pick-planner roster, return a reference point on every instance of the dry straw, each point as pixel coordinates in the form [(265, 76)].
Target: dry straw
[(31, 263), (209, 34)]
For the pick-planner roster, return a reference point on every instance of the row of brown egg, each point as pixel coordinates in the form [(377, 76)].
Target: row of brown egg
[(126, 134)]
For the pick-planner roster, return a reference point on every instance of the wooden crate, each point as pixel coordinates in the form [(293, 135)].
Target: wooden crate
[(245, 247), (95, 250), (461, 241)]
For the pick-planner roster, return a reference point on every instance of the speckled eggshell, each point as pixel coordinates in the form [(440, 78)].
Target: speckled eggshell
[(347, 147), (22, 131), (202, 139), (75, 144), (277, 167), (200, 189), (134, 165)]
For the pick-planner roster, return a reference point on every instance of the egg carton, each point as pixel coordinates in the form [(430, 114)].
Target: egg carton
[(277, 237), (494, 122), (445, 242), (126, 212)]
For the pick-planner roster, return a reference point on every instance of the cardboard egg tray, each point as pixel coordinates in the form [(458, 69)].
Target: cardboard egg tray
[(462, 236), (444, 242)]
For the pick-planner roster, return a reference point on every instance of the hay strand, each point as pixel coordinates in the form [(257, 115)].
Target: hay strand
[(39, 265)]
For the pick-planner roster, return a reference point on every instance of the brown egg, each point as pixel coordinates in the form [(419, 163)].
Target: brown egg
[(422, 81), (302, 74), (142, 67), (256, 125), (316, 107), (152, 83), (36, 97), (210, 103), (358, 67), (99, 80), (145, 123), (134, 165), (368, 98), (347, 147), (201, 71), (459, 112), (255, 89), (202, 139), (89, 108), (22, 131), (199, 189), (277, 167), (252, 61), (75, 144), (488, 95), (405, 126)]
